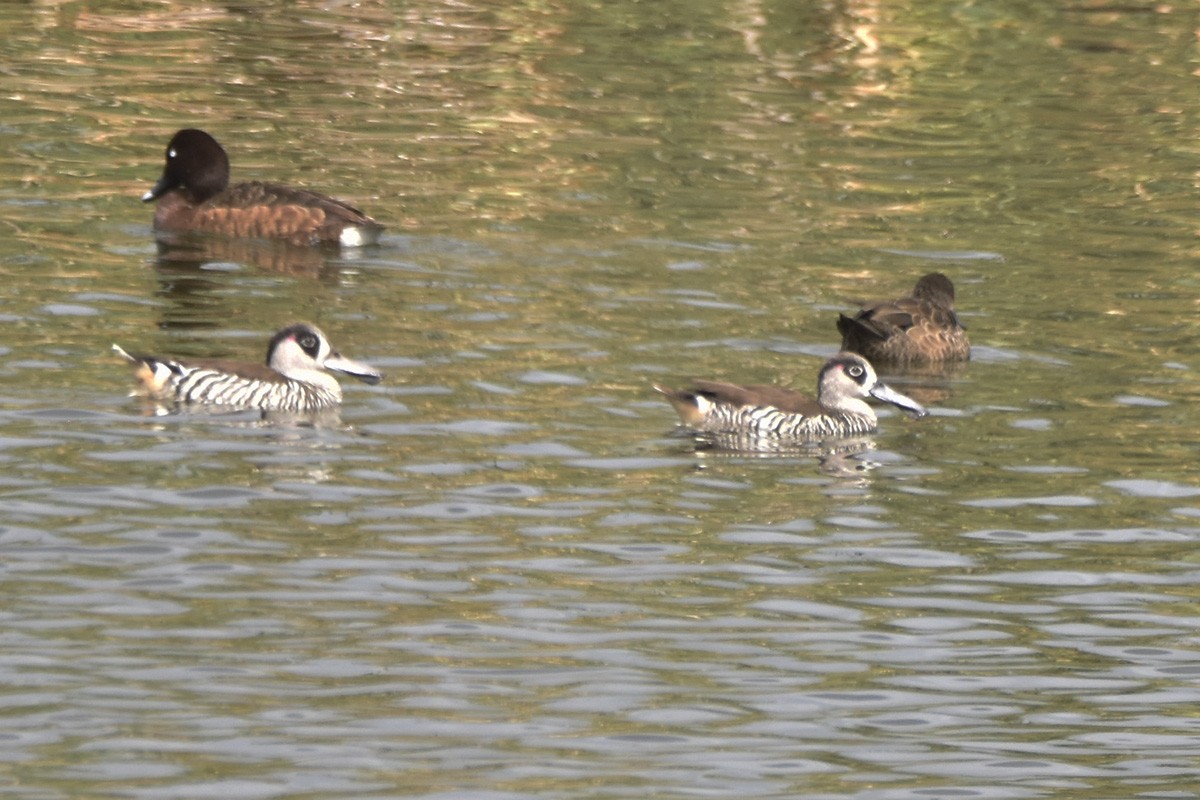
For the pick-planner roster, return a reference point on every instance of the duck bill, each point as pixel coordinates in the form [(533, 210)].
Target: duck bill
[(888, 395), (355, 369), (162, 187)]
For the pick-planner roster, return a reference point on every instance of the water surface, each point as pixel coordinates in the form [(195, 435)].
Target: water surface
[(499, 574)]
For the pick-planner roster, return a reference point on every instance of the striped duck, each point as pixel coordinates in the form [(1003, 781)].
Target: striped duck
[(293, 379), (773, 413)]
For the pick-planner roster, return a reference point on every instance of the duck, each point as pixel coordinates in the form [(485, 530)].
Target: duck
[(194, 195), (919, 329), (774, 413), (293, 379)]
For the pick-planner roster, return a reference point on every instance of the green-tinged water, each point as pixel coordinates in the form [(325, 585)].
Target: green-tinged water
[(500, 575)]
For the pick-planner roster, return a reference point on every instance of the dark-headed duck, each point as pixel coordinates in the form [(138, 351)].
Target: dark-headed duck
[(194, 194)]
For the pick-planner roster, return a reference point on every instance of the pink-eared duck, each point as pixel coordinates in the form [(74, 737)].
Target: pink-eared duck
[(293, 378), (773, 413)]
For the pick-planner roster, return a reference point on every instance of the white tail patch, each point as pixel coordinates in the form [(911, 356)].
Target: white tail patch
[(359, 236)]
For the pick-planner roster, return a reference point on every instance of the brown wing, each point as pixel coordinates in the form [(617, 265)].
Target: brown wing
[(265, 210), (941, 316), (931, 303), (243, 369), (792, 402), (908, 331), (920, 328), (879, 321), (257, 193)]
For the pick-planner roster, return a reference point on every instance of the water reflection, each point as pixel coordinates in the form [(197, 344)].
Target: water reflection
[(928, 384), (840, 458), (179, 252), (240, 417), (511, 565)]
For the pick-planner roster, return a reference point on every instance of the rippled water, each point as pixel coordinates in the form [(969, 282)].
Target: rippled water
[(500, 574)]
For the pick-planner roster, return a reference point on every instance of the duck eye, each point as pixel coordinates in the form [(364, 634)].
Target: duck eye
[(856, 371), (308, 343)]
